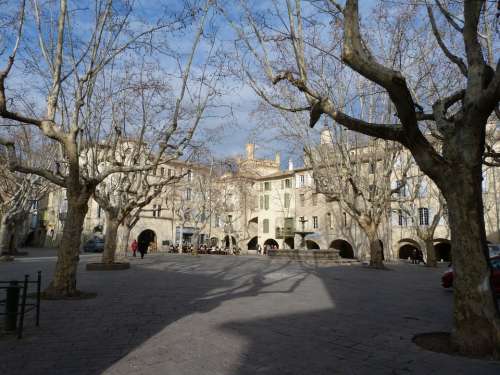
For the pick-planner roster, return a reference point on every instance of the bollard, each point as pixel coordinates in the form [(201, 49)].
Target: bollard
[(11, 306)]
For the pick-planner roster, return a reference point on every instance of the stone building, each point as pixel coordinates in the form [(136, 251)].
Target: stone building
[(257, 204)]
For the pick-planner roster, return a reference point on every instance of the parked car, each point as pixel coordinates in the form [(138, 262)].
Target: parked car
[(94, 245), (447, 278)]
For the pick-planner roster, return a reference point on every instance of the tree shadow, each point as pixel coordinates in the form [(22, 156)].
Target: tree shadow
[(133, 308)]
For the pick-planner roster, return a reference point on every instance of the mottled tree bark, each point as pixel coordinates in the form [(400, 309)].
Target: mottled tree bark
[(63, 283), (110, 237), (6, 235), (122, 246), (371, 231), (477, 323), (431, 253)]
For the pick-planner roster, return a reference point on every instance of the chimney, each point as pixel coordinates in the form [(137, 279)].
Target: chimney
[(250, 151), (290, 165), (277, 158)]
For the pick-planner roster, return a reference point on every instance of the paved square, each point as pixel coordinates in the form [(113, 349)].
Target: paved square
[(179, 314)]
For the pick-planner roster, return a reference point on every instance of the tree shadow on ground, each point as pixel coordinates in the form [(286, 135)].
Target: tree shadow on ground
[(367, 330), (132, 307), (235, 315)]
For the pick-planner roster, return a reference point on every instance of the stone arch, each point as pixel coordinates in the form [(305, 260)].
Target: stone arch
[(344, 247), (407, 248), (252, 244), (145, 238), (289, 241), (311, 245), (271, 242), (442, 247)]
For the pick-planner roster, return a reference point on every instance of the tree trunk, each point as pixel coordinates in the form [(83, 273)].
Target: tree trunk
[(181, 234), (476, 317), (376, 257), (123, 241), (195, 242), (63, 283), (6, 235), (375, 252), (110, 236), (431, 253)]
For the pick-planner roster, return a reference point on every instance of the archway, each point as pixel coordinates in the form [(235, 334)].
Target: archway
[(252, 244), (289, 242), (443, 251), (272, 242), (408, 251), (214, 241), (382, 247), (407, 248), (229, 241), (344, 247), (311, 245), (145, 238)]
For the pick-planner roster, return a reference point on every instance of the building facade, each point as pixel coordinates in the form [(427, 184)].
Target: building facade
[(258, 205)]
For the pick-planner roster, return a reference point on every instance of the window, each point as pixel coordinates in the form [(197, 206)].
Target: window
[(189, 175), (170, 173), (315, 222), (302, 180), (267, 185), (265, 226), (402, 219), (98, 212), (329, 220), (345, 219), (261, 202), (315, 199), (158, 210), (287, 200), (154, 210), (217, 221), (288, 183), (162, 171), (371, 167), (423, 215), (266, 202), (229, 219), (302, 200), (402, 189), (188, 194)]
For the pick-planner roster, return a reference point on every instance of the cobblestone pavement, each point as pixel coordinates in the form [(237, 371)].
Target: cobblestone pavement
[(179, 314)]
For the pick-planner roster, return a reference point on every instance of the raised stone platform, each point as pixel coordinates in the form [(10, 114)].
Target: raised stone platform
[(330, 254)]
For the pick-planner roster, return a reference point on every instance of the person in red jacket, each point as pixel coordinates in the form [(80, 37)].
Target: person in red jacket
[(134, 247)]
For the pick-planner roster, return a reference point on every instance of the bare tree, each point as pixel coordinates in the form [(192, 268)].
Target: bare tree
[(456, 112), (75, 70), (356, 173), (20, 193)]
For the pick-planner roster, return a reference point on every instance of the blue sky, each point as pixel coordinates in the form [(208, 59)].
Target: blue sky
[(244, 126)]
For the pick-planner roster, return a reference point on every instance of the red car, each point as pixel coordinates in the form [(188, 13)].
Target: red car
[(447, 278)]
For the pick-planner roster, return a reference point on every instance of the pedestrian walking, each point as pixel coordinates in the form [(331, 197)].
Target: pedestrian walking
[(134, 246)]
